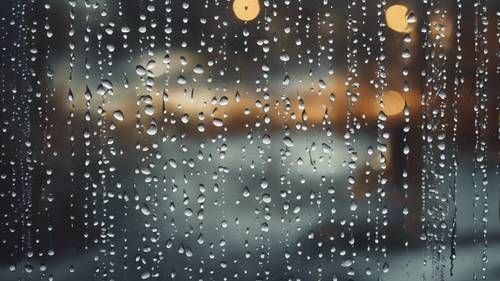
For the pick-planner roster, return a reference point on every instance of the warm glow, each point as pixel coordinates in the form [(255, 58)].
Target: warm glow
[(393, 102), (246, 10), (396, 18)]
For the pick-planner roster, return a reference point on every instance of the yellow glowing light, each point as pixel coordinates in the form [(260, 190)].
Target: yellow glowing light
[(246, 10), (393, 102), (396, 17)]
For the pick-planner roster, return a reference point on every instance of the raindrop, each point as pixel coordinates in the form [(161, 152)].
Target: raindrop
[(118, 115)]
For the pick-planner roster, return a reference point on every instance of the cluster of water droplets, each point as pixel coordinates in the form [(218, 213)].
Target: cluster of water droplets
[(177, 140)]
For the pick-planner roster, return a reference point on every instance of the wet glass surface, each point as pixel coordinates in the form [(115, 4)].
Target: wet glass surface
[(249, 140)]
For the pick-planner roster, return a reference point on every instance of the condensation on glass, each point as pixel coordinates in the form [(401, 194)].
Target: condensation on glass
[(249, 140)]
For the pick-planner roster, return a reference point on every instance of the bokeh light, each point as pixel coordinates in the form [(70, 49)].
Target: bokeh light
[(396, 17), (246, 10), (393, 102)]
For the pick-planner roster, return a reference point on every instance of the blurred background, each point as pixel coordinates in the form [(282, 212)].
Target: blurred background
[(250, 140)]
